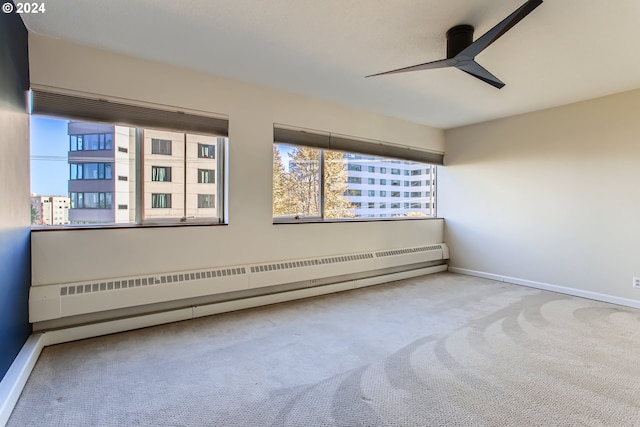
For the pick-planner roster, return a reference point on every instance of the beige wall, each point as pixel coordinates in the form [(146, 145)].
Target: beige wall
[(62, 256), (552, 196)]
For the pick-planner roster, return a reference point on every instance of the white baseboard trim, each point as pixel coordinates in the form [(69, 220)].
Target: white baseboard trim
[(549, 287), (16, 377)]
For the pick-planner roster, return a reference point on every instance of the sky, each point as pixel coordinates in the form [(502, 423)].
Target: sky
[(49, 148)]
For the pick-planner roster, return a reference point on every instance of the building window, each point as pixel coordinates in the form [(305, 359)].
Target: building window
[(372, 205), (90, 141), (206, 201), (206, 176), (123, 150), (415, 183), (160, 200), (89, 200), (206, 151), (383, 205), (352, 167), (80, 171), (383, 182), (395, 171), (160, 173), (416, 172), (352, 192), (395, 194), (383, 193), (383, 170), (371, 181), (161, 146), (416, 194), (371, 169), (395, 183), (371, 193), (122, 178), (122, 207), (354, 180)]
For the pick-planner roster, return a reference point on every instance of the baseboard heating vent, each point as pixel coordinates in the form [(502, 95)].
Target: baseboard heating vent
[(49, 302), (409, 251), (309, 269), (149, 281)]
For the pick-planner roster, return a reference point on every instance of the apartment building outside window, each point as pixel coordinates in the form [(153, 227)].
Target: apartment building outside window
[(126, 175)]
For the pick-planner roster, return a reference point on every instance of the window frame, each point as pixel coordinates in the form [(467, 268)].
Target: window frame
[(295, 219), (85, 107)]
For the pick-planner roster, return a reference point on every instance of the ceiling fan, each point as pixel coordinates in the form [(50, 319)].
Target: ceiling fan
[(462, 50)]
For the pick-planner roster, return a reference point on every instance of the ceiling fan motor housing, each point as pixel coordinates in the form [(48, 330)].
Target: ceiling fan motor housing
[(458, 38)]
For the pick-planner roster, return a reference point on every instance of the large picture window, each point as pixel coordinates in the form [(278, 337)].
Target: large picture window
[(320, 176), (162, 175), (347, 189)]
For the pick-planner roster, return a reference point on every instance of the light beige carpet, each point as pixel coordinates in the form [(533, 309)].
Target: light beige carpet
[(439, 350)]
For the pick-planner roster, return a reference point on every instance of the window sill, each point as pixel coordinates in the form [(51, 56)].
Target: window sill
[(44, 228), (347, 220)]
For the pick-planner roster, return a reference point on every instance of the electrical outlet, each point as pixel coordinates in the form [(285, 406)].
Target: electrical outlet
[(636, 282)]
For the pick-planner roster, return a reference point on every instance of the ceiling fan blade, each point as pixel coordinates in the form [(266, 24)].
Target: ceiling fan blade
[(478, 71), (442, 63), (493, 34)]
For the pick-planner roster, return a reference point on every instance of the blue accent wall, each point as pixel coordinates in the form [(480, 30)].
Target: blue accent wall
[(15, 233), (15, 254)]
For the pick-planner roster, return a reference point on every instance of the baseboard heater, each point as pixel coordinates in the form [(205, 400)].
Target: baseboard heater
[(66, 300)]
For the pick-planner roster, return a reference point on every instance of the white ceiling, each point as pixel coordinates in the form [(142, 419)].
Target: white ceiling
[(564, 51)]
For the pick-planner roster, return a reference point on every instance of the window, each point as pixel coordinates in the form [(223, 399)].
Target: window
[(416, 172), (115, 174), (206, 151), (383, 170), (89, 171), (415, 183), (160, 200), (206, 176), (90, 141), (160, 173), (91, 200), (161, 146), (298, 192), (206, 201), (416, 194), (395, 171), (371, 169)]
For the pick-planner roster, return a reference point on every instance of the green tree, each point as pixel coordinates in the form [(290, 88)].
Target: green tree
[(35, 218), (304, 181), (296, 188), (335, 184), (281, 202)]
